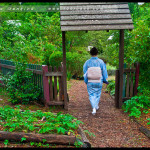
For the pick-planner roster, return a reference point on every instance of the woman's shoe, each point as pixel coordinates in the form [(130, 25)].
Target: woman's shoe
[(94, 111), (97, 107)]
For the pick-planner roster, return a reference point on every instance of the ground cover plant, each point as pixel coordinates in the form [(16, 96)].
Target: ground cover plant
[(17, 120), (14, 119), (139, 106)]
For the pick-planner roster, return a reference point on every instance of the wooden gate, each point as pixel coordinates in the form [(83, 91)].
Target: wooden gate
[(53, 85), (130, 84)]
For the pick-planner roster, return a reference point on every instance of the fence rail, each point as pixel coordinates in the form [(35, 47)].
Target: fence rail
[(48, 79)]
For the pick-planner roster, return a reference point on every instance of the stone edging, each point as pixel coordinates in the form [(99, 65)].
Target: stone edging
[(142, 128)]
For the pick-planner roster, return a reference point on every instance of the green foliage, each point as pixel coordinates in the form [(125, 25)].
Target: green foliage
[(55, 59), (136, 104), (110, 67), (149, 121), (73, 62), (27, 121), (6, 142), (136, 43), (78, 144), (23, 139), (111, 87), (20, 87), (89, 133), (34, 40)]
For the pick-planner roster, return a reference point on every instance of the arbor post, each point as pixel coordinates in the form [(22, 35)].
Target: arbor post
[(64, 71), (121, 66)]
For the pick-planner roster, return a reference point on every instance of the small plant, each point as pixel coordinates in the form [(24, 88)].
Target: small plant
[(44, 140), (69, 75), (6, 142), (32, 143), (78, 144), (149, 121), (89, 133), (23, 139)]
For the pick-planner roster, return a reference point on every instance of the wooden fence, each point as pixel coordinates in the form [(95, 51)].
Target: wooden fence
[(49, 80), (130, 83), (37, 78)]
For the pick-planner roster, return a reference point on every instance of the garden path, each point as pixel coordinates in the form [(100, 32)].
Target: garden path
[(111, 126)]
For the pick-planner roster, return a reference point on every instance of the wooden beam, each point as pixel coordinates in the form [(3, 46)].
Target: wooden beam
[(64, 71), (50, 138), (100, 3), (96, 27), (95, 12), (28, 69), (51, 74), (93, 7), (98, 17), (121, 66), (56, 103), (96, 22), (128, 70)]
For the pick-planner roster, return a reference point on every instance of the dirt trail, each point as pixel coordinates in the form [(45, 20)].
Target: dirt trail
[(112, 127)]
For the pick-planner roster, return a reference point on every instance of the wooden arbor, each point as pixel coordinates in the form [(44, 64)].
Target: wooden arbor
[(96, 16)]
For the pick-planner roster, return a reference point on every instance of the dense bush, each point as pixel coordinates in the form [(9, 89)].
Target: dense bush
[(74, 62), (20, 87)]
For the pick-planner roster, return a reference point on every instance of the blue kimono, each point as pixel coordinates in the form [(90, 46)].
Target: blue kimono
[(94, 89)]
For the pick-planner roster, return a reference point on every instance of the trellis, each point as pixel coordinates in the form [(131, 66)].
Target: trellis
[(96, 16)]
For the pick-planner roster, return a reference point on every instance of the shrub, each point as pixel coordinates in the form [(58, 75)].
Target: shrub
[(74, 62), (20, 87), (137, 103)]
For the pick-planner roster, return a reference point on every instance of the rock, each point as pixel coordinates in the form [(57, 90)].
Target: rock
[(145, 131)]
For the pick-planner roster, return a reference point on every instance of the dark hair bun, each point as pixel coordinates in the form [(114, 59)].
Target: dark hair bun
[(93, 51)]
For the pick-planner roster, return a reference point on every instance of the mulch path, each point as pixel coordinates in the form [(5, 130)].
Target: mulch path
[(111, 126)]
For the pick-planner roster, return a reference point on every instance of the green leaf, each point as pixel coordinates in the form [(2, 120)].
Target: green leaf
[(44, 140), (23, 139), (11, 129), (32, 143), (6, 142)]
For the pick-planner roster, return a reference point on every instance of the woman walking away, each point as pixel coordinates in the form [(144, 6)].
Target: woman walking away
[(95, 73)]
